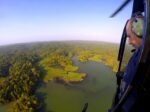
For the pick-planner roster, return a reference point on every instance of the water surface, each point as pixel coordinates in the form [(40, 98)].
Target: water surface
[(97, 89)]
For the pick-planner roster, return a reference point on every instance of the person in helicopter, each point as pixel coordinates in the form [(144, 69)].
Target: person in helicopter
[(134, 32)]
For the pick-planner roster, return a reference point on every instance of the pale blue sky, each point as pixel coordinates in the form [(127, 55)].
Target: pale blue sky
[(44, 20)]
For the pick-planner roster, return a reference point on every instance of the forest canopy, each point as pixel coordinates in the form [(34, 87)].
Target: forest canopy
[(23, 66)]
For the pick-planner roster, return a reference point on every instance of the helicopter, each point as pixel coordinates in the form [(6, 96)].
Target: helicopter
[(143, 64)]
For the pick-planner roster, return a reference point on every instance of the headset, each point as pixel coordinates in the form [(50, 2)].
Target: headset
[(137, 26)]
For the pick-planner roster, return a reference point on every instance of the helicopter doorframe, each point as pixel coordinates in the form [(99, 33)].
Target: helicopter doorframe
[(143, 67), (146, 40)]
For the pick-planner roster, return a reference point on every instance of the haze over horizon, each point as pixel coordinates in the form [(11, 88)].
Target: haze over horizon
[(24, 21)]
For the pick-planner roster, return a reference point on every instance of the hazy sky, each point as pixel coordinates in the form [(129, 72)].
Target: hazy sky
[(41, 20)]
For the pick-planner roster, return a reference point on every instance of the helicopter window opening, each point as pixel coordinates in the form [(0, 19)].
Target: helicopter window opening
[(128, 52)]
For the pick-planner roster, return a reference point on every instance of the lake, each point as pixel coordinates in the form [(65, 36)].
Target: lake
[(97, 90)]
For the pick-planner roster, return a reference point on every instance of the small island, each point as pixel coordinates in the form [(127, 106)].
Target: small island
[(59, 67), (64, 76)]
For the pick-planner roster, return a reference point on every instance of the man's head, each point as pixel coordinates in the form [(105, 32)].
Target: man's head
[(133, 38)]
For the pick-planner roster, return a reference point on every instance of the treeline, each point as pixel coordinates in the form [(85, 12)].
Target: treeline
[(99, 52), (20, 73)]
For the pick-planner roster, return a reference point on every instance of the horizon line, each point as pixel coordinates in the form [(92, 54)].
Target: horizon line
[(34, 42)]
